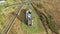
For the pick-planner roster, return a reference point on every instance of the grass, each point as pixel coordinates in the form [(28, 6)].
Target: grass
[(40, 6), (4, 16), (53, 26), (37, 26), (0, 31), (1, 8), (8, 2), (1, 23)]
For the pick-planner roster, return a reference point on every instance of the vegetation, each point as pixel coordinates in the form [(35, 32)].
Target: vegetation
[(3, 11), (52, 25), (37, 26)]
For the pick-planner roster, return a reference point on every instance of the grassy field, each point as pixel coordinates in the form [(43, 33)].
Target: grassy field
[(4, 13), (36, 28)]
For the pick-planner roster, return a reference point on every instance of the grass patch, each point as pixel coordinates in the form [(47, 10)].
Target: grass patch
[(40, 6), (1, 23), (0, 31), (37, 26), (33, 29), (4, 15), (53, 26), (8, 2), (1, 8)]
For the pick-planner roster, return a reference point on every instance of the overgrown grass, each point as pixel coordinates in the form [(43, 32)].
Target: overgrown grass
[(8, 2), (1, 22), (40, 6), (0, 31), (2, 13), (1, 8), (52, 25), (37, 26)]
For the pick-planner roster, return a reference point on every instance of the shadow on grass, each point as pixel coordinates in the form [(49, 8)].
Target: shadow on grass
[(21, 16)]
